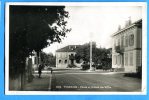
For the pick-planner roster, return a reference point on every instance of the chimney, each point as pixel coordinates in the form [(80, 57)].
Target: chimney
[(128, 22), (69, 47), (119, 27)]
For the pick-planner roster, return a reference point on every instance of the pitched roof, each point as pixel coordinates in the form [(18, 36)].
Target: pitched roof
[(69, 48)]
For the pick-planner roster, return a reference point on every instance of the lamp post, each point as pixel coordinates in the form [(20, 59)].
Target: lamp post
[(91, 35), (90, 55)]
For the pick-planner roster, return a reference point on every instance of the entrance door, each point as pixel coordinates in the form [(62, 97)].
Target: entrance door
[(72, 61)]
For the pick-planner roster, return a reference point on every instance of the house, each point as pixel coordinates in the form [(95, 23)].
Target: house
[(127, 47), (65, 57), (36, 60)]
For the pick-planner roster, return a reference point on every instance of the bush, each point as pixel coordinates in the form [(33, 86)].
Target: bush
[(71, 66), (99, 66), (85, 66)]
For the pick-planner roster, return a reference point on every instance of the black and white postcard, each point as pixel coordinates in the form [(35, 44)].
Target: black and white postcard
[(75, 48)]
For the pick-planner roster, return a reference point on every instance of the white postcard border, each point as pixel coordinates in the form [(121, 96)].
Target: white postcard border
[(144, 47)]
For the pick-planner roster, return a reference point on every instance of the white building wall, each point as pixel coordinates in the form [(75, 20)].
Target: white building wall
[(63, 56), (133, 52), (131, 66)]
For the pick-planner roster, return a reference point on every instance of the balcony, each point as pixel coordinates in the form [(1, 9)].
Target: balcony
[(119, 49)]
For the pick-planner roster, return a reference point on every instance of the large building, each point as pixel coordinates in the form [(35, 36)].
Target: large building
[(65, 57), (127, 47)]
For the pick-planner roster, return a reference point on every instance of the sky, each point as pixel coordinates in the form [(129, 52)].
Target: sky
[(96, 23)]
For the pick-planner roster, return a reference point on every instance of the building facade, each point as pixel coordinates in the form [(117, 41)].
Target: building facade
[(65, 57), (127, 48)]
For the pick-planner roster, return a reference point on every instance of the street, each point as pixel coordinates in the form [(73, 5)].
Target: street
[(77, 80)]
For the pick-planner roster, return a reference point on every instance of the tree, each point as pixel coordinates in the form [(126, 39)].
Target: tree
[(48, 59), (100, 56), (33, 28), (83, 52)]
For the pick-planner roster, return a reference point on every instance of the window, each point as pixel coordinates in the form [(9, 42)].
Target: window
[(60, 61), (65, 61), (118, 42), (131, 59), (122, 41), (126, 59), (115, 60), (131, 40), (119, 59), (114, 44), (126, 41)]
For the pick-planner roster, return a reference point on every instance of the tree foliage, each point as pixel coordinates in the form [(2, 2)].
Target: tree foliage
[(48, 59), (83, 52), (34, 28), (100, 56)]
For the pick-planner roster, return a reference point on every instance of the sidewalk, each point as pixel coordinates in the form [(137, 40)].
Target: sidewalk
[(39, 84)]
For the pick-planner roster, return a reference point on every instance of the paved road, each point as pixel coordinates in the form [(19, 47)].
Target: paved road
[(76, 80)]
